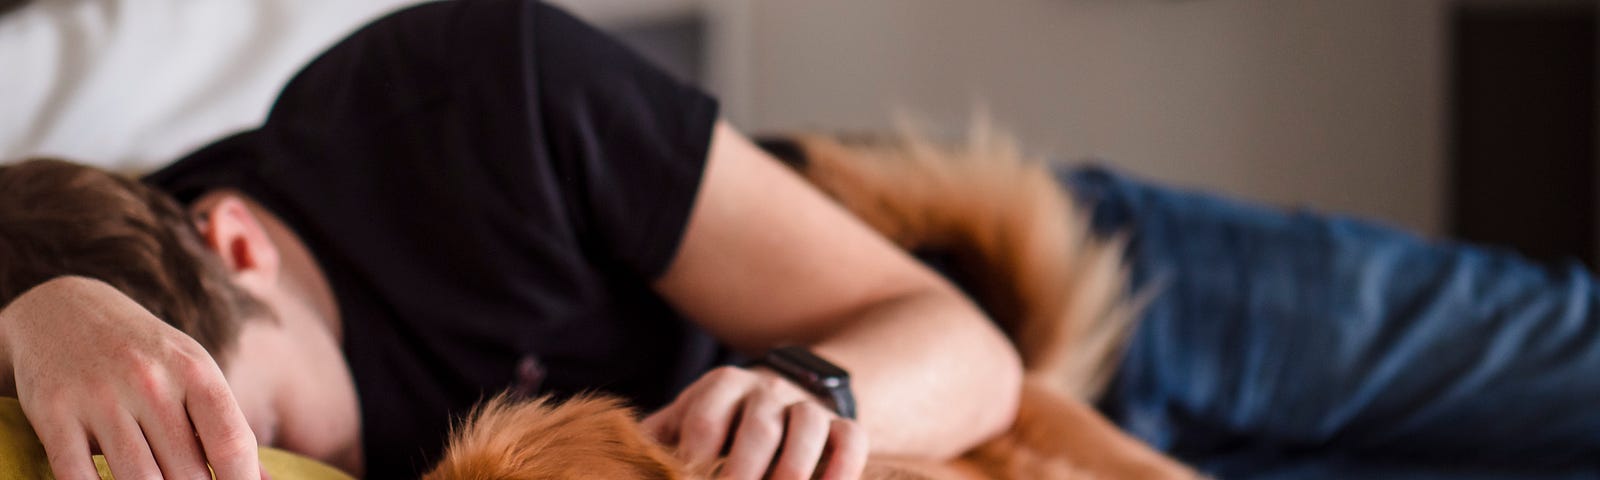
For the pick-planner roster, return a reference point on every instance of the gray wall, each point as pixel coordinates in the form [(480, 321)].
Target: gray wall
[(1336, 105)]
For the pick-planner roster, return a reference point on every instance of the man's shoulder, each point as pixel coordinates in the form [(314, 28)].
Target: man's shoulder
[(412, 57), (221, 164)]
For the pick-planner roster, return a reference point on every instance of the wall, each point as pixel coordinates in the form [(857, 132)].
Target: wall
[(1336, 105)]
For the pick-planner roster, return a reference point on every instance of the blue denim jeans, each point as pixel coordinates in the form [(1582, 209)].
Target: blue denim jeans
[(1286, 344)]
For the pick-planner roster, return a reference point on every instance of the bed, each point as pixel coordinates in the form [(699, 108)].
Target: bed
[(130, 85)]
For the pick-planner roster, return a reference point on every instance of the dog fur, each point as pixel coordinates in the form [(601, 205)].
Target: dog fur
[(586, 437), (1020, 248)]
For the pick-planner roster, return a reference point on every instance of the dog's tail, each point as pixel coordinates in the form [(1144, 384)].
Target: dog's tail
[(1015, 241)]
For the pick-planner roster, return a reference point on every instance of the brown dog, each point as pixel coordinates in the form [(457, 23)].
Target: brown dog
[(1018, 246)]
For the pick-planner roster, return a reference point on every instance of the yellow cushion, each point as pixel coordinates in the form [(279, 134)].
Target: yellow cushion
[(22, 457)]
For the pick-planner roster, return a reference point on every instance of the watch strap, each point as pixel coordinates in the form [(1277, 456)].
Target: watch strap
[(817, 375)]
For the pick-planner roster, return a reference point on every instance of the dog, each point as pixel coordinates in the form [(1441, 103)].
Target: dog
[(1015, 243)]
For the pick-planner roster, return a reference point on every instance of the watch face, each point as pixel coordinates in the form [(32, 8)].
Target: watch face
[(821, 377)]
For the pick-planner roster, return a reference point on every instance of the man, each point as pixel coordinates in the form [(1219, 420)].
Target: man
[(466, 197)]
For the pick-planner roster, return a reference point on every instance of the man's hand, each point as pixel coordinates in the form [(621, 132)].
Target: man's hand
[(95, 370), (768, 425)]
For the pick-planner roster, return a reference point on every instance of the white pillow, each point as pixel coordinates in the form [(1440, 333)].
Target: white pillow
[(133, 84)]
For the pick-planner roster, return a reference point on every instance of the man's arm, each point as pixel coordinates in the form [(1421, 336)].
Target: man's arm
[(768, 260)]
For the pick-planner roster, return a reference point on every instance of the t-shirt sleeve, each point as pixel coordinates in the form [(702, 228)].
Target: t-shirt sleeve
[(634, 139)]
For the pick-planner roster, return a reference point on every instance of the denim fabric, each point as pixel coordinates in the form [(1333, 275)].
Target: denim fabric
[(1287, 344)]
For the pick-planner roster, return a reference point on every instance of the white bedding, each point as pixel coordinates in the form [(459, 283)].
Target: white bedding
[(132, 84)]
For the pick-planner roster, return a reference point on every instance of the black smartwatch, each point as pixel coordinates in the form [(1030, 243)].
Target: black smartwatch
[(821, 377)]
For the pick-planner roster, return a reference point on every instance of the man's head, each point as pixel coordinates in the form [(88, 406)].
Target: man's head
[(60, 219), (224, 271)]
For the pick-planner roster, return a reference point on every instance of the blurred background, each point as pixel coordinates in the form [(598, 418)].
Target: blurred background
[(1470, 119), (1473, 119)]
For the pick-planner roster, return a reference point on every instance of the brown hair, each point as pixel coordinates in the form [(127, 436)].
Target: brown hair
[(62, 219)]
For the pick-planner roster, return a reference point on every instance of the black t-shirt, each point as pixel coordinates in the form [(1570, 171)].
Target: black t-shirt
[(489, 186)]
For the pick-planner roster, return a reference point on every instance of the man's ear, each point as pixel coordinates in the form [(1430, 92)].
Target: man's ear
[(233, 231)]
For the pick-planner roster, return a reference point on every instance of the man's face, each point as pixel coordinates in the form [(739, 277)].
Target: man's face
[(287, 371), (295, 391)]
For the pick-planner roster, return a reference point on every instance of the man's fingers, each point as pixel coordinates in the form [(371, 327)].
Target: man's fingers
[(225, 436), (756, 442), (172, 440), (662, 425), (706, 421), (847, 447), (123, 444), (802, 444), (67, 448)]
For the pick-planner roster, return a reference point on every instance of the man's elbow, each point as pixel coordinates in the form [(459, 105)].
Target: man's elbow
[(993, 405)]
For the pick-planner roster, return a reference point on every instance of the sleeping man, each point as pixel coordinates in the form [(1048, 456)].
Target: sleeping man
[(470, 197), (462, 198)]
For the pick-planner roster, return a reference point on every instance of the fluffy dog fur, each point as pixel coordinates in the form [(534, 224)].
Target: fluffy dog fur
[(1020, 248), (589, 437)]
